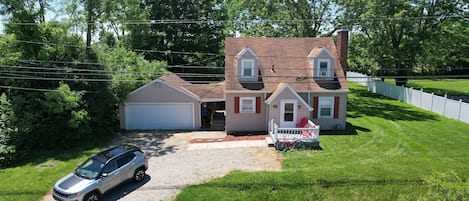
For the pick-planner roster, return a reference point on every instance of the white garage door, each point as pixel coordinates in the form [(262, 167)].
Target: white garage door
[(159, 116)]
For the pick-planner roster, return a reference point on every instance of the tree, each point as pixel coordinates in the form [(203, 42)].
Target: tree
[(8, 131), (66, 118), (181, 32), (452, 59), (280, 18), (398, 31), (127, 65)]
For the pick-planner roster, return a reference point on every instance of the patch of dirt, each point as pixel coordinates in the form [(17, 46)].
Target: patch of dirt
[(49, 164), (267, 159)]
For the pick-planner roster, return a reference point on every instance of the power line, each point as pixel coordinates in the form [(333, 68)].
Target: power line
[(136, 50), (299, 79), (212, 21), (36, 89)]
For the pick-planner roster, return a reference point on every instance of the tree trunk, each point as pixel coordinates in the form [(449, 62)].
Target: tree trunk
[(89, 25)]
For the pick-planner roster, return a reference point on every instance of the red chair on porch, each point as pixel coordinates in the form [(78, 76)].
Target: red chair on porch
[(304, 124)]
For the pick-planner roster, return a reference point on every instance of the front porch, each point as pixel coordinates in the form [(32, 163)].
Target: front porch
[(308, 133)]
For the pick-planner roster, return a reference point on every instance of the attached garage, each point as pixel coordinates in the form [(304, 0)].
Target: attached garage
[(160, 116), (167, 103)]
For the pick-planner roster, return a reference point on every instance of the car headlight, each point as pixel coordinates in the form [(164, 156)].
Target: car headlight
[(73, 195)]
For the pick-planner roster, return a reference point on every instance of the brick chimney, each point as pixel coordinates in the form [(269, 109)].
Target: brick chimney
[(342, 47)]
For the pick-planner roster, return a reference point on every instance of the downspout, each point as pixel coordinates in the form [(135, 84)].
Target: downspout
[(266, 113), (309, 103)]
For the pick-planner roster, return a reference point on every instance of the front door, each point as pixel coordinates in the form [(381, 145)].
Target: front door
[(288, 113)]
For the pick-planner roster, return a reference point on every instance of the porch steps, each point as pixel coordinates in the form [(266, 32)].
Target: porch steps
[(269, 141)]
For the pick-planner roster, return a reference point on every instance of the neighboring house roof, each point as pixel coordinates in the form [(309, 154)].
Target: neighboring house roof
[(205, 92), (287, 56)]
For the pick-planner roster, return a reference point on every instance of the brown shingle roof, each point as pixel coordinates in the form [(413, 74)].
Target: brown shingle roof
[(208, 92), (289, 56), (203, 91)]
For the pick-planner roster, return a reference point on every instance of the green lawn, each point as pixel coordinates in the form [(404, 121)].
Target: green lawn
[(32, 179), (388, 149), (451, 87)]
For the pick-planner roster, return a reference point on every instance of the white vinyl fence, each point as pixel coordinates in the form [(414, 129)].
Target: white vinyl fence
[(442, 105)]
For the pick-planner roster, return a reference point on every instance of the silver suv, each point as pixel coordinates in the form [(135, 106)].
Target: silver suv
[(101, 172)]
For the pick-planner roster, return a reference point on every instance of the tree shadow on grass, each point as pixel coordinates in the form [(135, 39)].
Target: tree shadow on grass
[(350, 129), (369, 104), (56, 154), (151, 142)]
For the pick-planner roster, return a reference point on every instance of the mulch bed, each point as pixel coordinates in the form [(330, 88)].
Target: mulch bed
[(230, 138)]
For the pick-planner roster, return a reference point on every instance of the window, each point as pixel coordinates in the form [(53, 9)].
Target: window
[(325, 107), (324, 67), (289, 112), (125, 159), (247, 67), (247, 104), (110, 167)]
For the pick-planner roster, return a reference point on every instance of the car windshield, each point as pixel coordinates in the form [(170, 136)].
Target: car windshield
[(90, 168)]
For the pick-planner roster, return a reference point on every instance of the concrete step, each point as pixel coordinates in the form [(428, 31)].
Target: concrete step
[(269, 141)]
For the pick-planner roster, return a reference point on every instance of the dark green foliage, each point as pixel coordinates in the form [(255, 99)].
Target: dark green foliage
[(64, 119), (8, 131), (399, 38), (193, 39), (280, 18)]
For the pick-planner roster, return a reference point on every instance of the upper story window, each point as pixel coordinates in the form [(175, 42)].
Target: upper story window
[(247, 67), (324, 68)]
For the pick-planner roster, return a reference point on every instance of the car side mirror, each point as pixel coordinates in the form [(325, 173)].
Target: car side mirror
[(104, 175)]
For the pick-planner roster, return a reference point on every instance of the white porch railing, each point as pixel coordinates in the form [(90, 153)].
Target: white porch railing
[(307, 134)]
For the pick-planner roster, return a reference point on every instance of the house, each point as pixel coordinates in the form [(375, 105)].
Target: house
[(284, 79), (280, 80)]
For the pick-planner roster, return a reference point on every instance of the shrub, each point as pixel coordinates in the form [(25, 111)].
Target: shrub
[(447, 186)]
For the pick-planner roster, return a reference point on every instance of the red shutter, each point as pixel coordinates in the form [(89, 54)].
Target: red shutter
[(236, 104), (258, 104), (315, 107), (336, 107)]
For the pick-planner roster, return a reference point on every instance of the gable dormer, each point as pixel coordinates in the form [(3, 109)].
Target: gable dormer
[(247, 65), (322, 63)]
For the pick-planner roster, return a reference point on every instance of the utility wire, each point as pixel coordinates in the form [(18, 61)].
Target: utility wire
[(37, 89), (212, 21), (68, 70), (299, 79)]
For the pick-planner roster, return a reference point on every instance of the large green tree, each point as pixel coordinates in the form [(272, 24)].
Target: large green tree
[(281, 18), (181, 33), (399, 32)]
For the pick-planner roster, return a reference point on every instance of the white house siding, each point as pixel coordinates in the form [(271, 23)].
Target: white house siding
[(244, 121)]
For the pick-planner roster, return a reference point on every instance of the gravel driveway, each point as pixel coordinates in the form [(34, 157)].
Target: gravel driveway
[(172, 166)]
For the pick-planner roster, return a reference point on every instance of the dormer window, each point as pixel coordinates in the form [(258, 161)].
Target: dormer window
[(324, 67), (247, 64), (247, 67), (320, 60)]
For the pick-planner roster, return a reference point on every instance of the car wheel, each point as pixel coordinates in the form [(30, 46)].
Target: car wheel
[(139, 175), (93, 196)]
